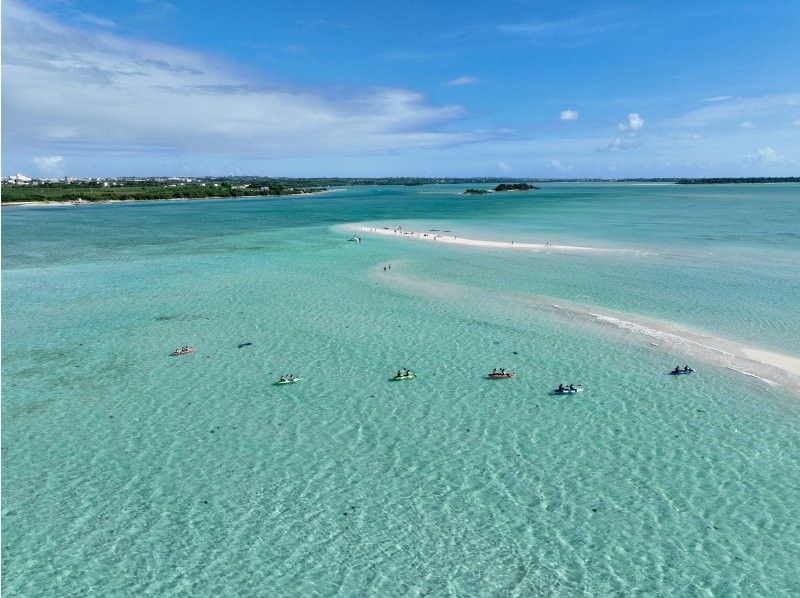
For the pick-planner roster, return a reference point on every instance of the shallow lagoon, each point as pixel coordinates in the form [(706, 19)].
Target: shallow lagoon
[(127, 471)]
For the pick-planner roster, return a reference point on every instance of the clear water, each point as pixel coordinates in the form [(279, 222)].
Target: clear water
[(129, 472)]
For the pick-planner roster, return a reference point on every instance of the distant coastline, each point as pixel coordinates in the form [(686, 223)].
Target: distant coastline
[(738, 181), (21, 190)]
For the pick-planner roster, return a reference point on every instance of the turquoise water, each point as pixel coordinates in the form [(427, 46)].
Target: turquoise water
[(129, 472)]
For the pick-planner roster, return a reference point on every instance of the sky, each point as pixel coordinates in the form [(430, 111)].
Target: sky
[(525, 88)]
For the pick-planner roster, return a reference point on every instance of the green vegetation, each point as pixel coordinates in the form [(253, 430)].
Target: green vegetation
[(144, 190), (515, 187), (476, 192), (729, 181)]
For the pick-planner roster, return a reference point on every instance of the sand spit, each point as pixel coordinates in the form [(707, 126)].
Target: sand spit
[(683, 343), (438, 237)]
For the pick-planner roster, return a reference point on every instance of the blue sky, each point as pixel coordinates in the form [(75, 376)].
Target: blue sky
[(302, 88)]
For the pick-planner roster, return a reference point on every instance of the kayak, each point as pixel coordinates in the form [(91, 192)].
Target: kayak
[(567, 391), (497, 376), (177, 352), (409, 377), (681, 372), (288, 381)]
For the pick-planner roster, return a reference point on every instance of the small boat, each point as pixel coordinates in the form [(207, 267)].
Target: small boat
[(568, 391), (409, 376), (501, 375), (183, 351), (682, 372), (356, 239), (289, 380)]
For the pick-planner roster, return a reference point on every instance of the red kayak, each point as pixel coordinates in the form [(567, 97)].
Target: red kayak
[(501, 375)]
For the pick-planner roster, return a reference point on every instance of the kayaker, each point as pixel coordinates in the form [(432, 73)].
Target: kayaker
[(399, 374), (560, 388)]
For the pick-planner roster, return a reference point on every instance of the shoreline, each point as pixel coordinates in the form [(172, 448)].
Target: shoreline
[(398, 232), (774, 369), (72, 202)]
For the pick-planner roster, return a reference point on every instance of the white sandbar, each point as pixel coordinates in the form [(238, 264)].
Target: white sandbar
[(398, 232), (784, 362)]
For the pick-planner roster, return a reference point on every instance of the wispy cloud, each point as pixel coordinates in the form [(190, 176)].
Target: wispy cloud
[(569, 115), (413, 56), (717, 99), (748, 125), (119, 92), (737, 110), (504, 168), (49, 165), (570, 31), (83, 17), (462, 81), (617, 144)]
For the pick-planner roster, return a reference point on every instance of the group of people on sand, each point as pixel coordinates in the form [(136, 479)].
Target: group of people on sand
[(387, 267), (288, 378)]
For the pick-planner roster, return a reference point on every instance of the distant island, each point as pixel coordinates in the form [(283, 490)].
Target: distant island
[(476, 192), (515, 187)]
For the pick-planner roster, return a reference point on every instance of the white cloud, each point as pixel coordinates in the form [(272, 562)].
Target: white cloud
[(461, 81), (503, 167), (766, 156), (569, 115), (66, 88), (796, 123), (717, 99), (635, 122), (49, 165), (748, 125)]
